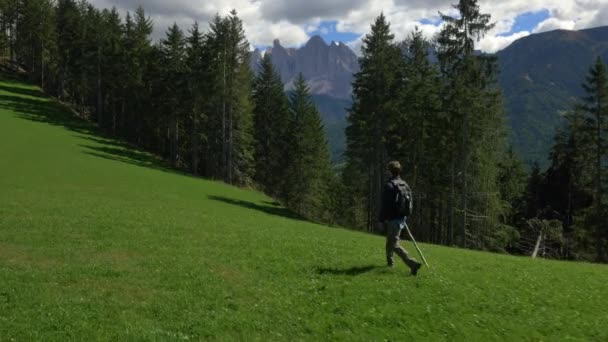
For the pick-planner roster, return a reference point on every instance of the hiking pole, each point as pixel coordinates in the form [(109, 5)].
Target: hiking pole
[(416, 245)]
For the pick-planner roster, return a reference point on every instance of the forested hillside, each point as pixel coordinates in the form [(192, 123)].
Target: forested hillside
[(542, 76)]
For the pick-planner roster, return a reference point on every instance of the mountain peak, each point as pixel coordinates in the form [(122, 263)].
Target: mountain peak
[(316, 40), (328, 69)]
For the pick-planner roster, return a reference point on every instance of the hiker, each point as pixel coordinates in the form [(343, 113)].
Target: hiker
[(396, 206)]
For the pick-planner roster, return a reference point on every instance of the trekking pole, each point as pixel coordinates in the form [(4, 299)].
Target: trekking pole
[(416, 245)]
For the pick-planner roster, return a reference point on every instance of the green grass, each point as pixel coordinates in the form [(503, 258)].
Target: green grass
[(98, 242)]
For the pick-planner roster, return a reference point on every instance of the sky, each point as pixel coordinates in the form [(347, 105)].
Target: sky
[(293, 22)]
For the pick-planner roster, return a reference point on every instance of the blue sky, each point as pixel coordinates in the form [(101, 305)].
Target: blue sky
[(527, 22), (329, 32), (522, 24)]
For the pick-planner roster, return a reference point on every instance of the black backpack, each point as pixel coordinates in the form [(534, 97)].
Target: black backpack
[(403, 198)]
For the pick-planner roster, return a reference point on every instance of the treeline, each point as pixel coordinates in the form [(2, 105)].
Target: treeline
[(192, 99), (444, 121), (569, 200)]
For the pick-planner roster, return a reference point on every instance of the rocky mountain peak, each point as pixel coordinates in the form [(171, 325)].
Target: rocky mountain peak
[(328, 69), (316, 42)]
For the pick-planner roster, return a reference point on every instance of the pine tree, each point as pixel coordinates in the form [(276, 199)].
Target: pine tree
[(595, 109), (142, 57), (418, 139), (137, 54), (564, 193), (69, 36), (34, 28), (476, 115), (112, 68), (307, 162), (512, 179), (174, 79), (376, 92), (588, 127), (92, 59), (231, 144), (195, 62), (271, 116), (9, 36)]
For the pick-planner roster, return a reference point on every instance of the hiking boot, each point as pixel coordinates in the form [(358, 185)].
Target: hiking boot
[(415, 268)]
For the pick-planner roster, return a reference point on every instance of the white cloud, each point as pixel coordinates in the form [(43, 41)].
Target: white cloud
[(293, 21), (555, 24), (496, 43)]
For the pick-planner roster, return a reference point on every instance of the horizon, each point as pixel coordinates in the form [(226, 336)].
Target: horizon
[(348, 21), (328, 43)]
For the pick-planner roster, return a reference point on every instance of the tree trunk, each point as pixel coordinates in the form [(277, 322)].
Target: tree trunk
[(42, 66), (176, 143), (224, 143), (599, 156), (465, 164), (195, 144), (452, 199), (370, 175), (537, 246), (99, 93)]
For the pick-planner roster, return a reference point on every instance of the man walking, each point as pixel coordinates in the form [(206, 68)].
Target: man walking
[(396, 207)]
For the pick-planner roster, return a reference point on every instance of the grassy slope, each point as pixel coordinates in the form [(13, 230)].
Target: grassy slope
[(96, 244)]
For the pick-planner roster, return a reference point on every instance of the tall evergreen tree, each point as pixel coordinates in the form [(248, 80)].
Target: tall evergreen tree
[(417, 139), (9, 36), (69, 36), (376, 90), (174, 79), (308, 162), (271, 117), (111, 69), (230, 101), (137, 54), (195, 62), (474, 104), (588, 134), (214, 147), (34, 26), (595, 109)]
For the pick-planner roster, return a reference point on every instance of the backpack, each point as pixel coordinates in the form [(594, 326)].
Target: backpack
[(403, 198)]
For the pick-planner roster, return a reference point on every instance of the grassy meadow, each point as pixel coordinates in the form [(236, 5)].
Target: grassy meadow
[(99, 241)]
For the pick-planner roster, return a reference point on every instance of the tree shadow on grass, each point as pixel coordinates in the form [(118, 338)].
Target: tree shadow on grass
[(126, 155), (41, 109), (352, 271), (268, 209), (272, 203), (21, 91)]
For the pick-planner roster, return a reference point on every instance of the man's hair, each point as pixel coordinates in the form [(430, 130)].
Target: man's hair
[(394, 167)]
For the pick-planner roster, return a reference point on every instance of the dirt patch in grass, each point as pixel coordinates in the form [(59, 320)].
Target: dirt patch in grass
[(13, 255)]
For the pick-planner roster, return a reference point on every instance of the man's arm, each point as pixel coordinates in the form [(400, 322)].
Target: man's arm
[(385, 202)]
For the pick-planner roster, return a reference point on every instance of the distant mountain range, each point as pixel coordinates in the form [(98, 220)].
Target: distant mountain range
[(328, 69), (541, 76)]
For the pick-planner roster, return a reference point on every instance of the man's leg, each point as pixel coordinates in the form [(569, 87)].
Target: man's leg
[(402, 252), (390, 242)]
